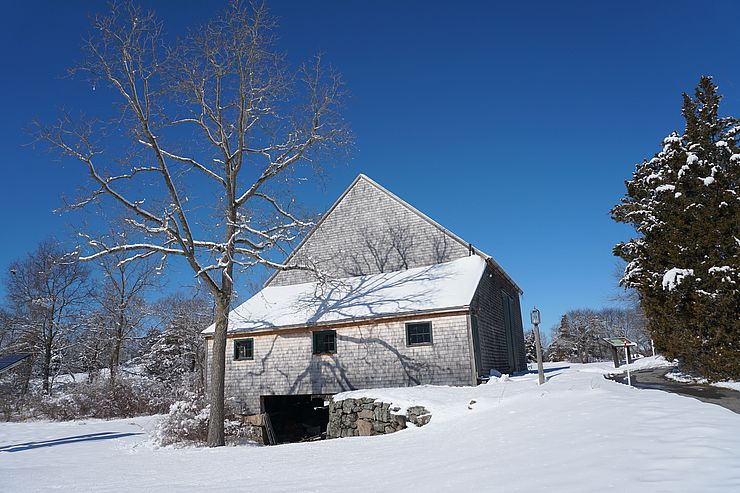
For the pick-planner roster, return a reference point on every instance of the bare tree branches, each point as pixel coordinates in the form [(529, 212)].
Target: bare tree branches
[(47, 289), (122, 304), (235, 89), (257, 126)]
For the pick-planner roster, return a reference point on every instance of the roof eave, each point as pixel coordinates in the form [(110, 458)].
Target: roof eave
[(329, 323), (496, 266)]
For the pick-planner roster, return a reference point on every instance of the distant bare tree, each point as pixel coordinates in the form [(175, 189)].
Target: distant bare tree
[(176, 353), (47, 290), (580, 333), (8, 332), (91, 346), (623, 295), (122, 303), (629, 319), (14, 384), (627, 322), (218, 129)]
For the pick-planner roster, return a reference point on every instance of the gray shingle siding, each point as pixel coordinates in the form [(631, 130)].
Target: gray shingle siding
[(370, 232), (488, 308), (368, 356)]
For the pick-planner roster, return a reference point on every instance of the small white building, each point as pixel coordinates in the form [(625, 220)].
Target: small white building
[(408, 303)]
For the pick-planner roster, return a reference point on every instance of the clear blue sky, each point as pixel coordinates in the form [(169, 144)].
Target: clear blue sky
[(514, 124)]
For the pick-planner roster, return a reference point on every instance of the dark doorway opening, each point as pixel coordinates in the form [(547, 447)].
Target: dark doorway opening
[(297, 418)]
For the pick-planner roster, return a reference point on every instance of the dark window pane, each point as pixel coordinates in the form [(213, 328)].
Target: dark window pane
[(244, 349), (418, 333), (324, 341)]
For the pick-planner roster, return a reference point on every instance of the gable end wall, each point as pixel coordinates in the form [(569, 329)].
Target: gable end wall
[(356, 238), (488, 307)]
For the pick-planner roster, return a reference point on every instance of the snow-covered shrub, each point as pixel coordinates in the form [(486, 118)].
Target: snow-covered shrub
[(13, 393), (101, 399), (187, 421)]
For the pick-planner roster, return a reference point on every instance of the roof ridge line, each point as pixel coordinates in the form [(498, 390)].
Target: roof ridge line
[(417, 211), (408, 206)]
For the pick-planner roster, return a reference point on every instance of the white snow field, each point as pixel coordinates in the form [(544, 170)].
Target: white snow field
[(578, 432)]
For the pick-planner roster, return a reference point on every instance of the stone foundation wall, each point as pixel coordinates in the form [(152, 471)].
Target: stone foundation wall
[(366, 417), (253, 428)]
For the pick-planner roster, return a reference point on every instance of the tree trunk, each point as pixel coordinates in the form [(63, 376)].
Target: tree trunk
[(218, 372), (115, 356), (46, 371)]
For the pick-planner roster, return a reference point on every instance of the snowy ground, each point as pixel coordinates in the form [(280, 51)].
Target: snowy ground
[(578, 432), (607, 367)]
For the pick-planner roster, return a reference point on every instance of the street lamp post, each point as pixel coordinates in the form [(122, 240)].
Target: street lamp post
[(535, 318)]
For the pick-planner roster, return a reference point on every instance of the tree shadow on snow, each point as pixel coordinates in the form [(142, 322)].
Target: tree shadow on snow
[(546, 372), (107, 435)]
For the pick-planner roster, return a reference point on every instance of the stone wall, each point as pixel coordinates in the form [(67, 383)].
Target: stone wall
[(252, 428), (366, 417), (368, 355)]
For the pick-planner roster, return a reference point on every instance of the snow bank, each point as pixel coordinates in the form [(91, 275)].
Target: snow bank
[(577, 433), (728, 385), (648, 363), (607, 367), (679, 376)]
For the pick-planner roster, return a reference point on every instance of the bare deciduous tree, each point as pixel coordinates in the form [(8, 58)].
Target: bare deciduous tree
[(580, 333), (122, 304), (627, 322), (176, 352), (8, 331), (47, 291), (217, 130), (91, 345)]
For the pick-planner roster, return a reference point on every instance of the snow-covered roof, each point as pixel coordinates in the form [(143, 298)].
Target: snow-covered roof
[(11, 360), (427, 289)]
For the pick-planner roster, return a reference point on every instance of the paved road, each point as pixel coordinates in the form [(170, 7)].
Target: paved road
[(655, 379)]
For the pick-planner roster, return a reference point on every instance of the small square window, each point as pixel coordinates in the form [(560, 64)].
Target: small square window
[(325, 342), (244, 349), (418, 333)]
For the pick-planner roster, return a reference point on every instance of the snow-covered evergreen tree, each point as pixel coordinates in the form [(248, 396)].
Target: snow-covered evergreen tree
[(685, 261), (562, 347), (530, 347), (176, 355)]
